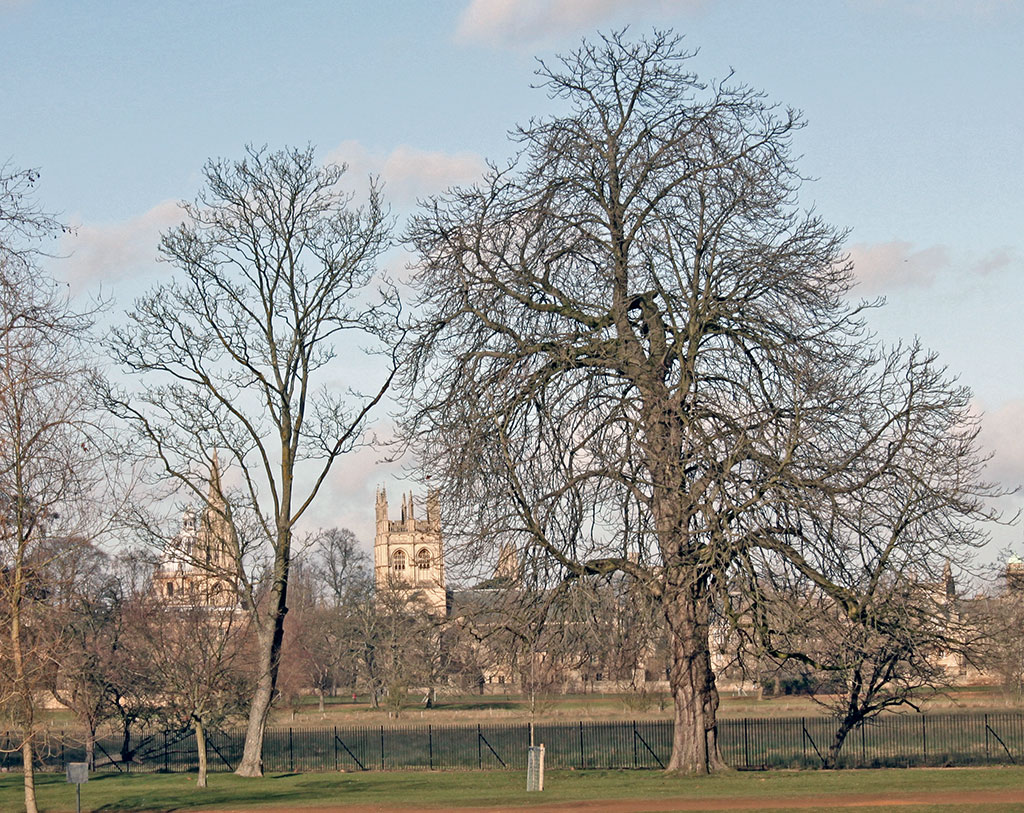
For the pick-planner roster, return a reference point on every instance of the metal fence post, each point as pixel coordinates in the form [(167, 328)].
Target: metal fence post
[(987, 757), (382, 748), (634, 743), (335, 748), (583, 762), (430, 745), (746, 744)]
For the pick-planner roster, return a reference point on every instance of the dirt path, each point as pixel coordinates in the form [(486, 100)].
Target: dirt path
[(853, 800)]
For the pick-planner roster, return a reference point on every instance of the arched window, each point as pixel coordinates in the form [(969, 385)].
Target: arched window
[(398, 561), (423, 559)]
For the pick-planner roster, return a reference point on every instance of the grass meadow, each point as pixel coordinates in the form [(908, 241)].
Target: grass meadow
[(451, 790)]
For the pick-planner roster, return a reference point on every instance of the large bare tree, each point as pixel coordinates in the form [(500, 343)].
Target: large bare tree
[(276, 267), (635, 353)]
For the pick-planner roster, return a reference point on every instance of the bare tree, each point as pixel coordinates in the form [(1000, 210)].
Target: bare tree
[(337, 563), (193, 656), (635, 354), (903, 643), (88, 613), (48, 457), (276, 266), (999, 618), (398, 643)]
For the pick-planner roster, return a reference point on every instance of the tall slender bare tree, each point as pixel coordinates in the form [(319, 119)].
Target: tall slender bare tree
[(635, 353), (276, 267), (47, 454)]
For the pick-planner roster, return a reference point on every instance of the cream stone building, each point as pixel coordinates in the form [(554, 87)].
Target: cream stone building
[(197, 567), (407, 553)]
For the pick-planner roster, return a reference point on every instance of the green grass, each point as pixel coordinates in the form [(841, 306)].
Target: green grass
[(424, 790)]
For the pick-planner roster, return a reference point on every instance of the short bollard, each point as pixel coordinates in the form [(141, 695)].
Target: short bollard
[(78, 774), (535, 768)]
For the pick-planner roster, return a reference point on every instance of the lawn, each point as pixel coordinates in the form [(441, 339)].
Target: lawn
[(424, 790)]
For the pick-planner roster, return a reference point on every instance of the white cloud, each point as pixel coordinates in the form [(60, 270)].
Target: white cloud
[(1001, 434), (111, 252), (408, 173), (898, 264), (346, 499), (519, 22), (884, 266), (996, 260)]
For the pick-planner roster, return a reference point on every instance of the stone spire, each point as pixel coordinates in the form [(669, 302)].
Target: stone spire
[(508, 569), (216, 494), (948, 585)]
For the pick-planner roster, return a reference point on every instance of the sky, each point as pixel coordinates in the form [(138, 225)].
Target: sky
[(914, 140)]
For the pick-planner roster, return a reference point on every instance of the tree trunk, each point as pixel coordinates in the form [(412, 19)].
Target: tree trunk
[(27, 757), (201, 751), (832, 756), (695, 734), (21, 683), (90, 748), (269, 659), (126, 741)]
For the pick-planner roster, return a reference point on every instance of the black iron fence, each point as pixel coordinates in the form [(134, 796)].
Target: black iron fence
[(893, 740)]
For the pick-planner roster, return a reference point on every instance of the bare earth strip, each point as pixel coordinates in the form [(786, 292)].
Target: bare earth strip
[(729, 803)]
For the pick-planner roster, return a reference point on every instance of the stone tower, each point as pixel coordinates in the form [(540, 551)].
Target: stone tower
[(407, 553)]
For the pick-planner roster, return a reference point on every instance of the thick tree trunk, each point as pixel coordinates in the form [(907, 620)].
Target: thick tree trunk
[(695, 735), (201, 751)]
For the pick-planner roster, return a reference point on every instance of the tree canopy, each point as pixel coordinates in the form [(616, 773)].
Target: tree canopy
[(637, 352)]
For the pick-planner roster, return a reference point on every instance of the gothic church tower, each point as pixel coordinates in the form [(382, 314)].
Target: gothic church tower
[(407, 553)]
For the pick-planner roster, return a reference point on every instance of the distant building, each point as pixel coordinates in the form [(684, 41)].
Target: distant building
[(198, 565), (408, 555), (1015, 573)]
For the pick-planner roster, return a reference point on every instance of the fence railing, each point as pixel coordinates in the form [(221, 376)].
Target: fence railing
[(751, 743)]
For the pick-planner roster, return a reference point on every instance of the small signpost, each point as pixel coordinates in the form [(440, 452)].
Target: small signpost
[(535, 768), (78, 775)]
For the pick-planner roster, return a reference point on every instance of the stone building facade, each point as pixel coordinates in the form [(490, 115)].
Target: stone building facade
[(198, 565), (408, 554)]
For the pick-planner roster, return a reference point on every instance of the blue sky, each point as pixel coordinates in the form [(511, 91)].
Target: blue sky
[(915, 136)]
